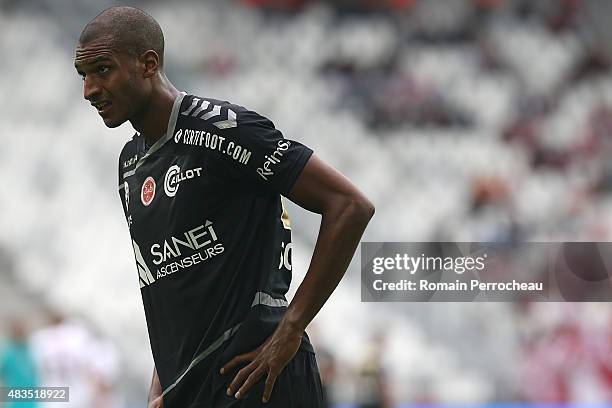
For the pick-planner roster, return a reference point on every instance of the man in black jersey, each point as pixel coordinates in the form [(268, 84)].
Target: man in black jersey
[(201, 184)]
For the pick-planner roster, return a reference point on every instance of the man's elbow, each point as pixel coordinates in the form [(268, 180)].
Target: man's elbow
[(367, 207), (360, 208)]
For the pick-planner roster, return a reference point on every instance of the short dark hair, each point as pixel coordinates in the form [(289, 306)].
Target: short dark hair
[(133, 31)]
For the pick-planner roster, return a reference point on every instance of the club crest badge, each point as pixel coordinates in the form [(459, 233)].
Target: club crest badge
[(147, 193)]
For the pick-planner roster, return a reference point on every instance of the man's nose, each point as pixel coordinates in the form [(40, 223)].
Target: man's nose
[(90, 89)]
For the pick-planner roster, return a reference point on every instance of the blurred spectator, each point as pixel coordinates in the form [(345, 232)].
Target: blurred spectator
[(567, 358), (69, 355), (17, 368), (328, 372), (372, 387)]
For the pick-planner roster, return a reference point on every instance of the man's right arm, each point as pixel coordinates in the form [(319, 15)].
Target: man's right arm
[(155, 393)]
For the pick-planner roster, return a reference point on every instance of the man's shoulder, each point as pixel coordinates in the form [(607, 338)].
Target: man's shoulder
[(215, 115), (198, 105), (129, 152)]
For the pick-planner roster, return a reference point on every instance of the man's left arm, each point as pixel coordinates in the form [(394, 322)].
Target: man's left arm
[(345, 213)]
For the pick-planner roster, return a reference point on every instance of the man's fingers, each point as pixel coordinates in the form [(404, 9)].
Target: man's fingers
[(239, 378), (270, 380), (243, 358), (253, 378)]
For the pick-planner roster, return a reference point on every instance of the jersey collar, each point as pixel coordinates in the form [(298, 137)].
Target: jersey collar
[(167, 136)]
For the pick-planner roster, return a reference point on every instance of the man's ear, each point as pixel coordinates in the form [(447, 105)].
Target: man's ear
[(150, 61)]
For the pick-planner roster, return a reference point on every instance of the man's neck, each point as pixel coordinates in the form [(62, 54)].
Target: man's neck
[(153, 122)]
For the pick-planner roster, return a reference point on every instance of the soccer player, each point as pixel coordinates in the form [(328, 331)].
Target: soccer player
[(201, 184)]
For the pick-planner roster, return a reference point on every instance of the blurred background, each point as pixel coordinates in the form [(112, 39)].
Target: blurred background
[(475, 120)]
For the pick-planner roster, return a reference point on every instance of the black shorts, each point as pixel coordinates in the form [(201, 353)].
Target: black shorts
[(297, 386)]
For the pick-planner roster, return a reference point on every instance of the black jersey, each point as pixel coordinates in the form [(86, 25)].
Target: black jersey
[(211, 237)]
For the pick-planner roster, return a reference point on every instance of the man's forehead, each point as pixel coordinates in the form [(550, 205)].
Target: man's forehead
[(100, 49)]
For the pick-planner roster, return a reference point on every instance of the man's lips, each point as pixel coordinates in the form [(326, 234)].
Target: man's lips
[(102, 106)]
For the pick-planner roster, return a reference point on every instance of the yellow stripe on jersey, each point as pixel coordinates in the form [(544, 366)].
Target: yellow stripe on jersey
[(285, 216)]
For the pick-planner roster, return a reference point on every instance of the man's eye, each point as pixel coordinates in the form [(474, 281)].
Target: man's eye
[(103, 69)]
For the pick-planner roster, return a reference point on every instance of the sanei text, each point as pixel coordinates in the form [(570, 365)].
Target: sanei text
[(196, 245)]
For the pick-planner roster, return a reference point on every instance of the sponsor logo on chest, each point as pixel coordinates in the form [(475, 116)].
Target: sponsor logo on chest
[(174, 176)]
